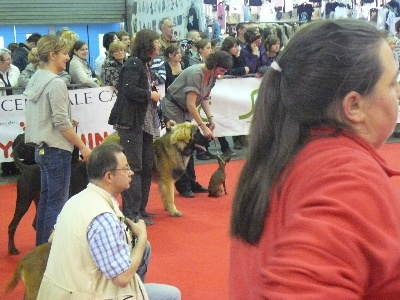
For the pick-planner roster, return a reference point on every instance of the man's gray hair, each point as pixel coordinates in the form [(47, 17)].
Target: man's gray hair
[(161, 23), (4, 51)]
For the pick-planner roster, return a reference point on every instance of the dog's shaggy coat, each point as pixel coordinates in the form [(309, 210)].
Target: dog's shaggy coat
[(171, 155), (31, 269)]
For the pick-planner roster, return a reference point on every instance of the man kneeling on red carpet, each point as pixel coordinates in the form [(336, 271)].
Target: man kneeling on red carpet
[(94, 237)]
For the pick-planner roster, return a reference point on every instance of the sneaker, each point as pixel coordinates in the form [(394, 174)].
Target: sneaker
[(229, 152)]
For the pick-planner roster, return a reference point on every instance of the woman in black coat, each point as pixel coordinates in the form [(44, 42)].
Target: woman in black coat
[(135, 118)]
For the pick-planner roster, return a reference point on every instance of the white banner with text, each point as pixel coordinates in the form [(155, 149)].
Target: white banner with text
[(232, 105)]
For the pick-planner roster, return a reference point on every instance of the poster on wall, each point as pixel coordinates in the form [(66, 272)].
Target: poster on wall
[(147, 14)]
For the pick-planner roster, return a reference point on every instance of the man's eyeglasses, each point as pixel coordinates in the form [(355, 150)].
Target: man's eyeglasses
[(127, 169)]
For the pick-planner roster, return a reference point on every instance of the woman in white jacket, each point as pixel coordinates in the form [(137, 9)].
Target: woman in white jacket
[(8, 72), (79, 69)]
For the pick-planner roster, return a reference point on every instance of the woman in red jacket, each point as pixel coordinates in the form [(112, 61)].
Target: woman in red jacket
[(315, 215)]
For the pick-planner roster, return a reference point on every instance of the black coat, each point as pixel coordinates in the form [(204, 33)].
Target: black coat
[(20, 56), (133, 95)]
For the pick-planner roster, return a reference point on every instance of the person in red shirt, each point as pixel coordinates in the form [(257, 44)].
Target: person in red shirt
[(315, 214)]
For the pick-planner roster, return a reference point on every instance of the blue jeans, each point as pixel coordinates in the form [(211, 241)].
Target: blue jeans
[(55, 175)]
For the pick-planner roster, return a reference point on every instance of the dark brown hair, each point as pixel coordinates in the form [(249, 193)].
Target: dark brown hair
[(142, 45), (305, 94)]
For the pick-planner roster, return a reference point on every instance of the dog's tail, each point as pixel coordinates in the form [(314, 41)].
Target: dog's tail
[(17, 276)]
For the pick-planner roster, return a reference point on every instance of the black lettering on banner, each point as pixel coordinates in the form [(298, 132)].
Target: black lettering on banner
[(87, 97), (3, 105), (19, 103), (106, 97), (80, 98), (12, 104)]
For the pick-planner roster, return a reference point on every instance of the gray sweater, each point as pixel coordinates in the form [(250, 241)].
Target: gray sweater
[(48, 110)]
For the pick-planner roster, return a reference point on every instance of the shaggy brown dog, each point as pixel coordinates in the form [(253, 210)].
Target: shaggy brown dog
[(31, 269), (171, 155)]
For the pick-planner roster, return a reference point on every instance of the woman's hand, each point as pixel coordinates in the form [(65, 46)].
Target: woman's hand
[(211, 123), (254, 49), (85, 152), (206, 131)]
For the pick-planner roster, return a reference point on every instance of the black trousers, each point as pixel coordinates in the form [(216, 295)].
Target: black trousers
[(138, 146), (188, 180)]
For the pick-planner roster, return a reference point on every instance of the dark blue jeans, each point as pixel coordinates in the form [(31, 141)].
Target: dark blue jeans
[(55, 175), (138, 146)]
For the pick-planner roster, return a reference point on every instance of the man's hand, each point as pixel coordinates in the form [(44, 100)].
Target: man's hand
[(138, 229)]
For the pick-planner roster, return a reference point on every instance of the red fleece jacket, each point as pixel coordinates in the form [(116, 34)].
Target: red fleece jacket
[(333, 231)]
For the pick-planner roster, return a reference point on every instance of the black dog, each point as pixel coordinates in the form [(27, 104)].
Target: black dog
[(28, 190), (22, 151)]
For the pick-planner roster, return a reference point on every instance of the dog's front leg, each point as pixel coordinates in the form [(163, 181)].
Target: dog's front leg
[(167, 190), (223, 184)]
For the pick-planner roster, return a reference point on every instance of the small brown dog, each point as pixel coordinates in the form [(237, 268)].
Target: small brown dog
[(218, 178), (31, 269)]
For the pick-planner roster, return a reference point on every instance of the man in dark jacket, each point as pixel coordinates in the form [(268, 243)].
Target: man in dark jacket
[(20, 55)]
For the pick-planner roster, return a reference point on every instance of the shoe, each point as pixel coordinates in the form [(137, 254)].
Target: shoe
[(229, 152), (202, 156), (147, 221), (147, 215), (200, 190), (197, 188), (187, 194), (237, 145), (210, 155)]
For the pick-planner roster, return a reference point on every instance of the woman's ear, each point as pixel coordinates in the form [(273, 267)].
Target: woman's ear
[(52, 55), (353, 105)]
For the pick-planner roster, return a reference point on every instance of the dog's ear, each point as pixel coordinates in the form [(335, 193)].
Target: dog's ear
[(181, 133), (112, 138), (226, 158)]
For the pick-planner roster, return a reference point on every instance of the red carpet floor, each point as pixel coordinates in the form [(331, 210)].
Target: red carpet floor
[(190, 252)]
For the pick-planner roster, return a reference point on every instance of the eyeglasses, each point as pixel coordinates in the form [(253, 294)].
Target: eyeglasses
[(127, 169)]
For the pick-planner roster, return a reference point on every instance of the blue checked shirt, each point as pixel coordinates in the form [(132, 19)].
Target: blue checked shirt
[(108, 245)]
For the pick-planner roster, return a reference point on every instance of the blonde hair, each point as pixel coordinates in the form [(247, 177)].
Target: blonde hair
[(47, 44), (33, 56), (70, 36), (390, 40), (115, 46)]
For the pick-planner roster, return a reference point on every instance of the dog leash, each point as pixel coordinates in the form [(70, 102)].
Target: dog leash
[(216, 149)]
